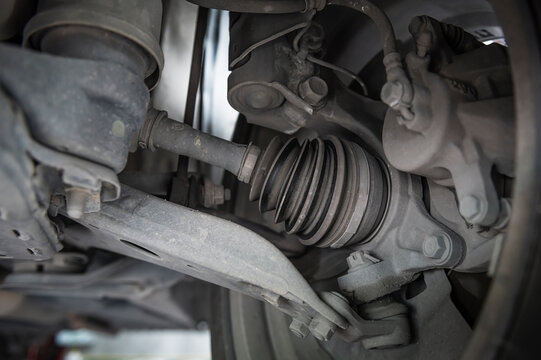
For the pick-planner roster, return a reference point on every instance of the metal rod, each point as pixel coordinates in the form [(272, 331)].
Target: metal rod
[(161, 132)]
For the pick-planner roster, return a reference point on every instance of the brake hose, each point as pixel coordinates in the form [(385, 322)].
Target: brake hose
[(398, 91)]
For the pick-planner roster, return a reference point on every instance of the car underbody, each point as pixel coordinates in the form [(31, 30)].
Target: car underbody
[(368, 185)]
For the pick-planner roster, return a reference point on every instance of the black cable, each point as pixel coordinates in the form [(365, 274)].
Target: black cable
[(179, 187), (339, 69)]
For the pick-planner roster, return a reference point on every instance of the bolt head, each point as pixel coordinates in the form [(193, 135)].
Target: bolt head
[(434, 246), (299, 328), (391, 93), (213, 194), (359, 259), (471, 208), (313, 90), (321, 329)]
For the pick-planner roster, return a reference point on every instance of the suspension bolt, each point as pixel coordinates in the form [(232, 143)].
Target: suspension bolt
[(321, 328), (471, 208), (299, 328), (213, 195), (434, 246), (314, 90)]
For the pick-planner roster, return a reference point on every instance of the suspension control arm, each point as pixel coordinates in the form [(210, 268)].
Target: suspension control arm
[(145, 227), (203, 246)]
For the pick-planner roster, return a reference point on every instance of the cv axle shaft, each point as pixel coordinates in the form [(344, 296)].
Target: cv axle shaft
[(329, 192)]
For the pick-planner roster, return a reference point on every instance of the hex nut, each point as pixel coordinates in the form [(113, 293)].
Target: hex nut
[(299, 328), (213, 194), (360, 259), (434, 246), (251, 155), (314, 90), (321, 328), (471, 208)]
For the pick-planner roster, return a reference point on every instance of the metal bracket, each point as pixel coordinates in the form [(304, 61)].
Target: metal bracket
[(389, 325), (78, 172), (86, 184), (409, 242)]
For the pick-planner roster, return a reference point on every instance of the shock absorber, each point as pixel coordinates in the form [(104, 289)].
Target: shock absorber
[(327, 191)]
